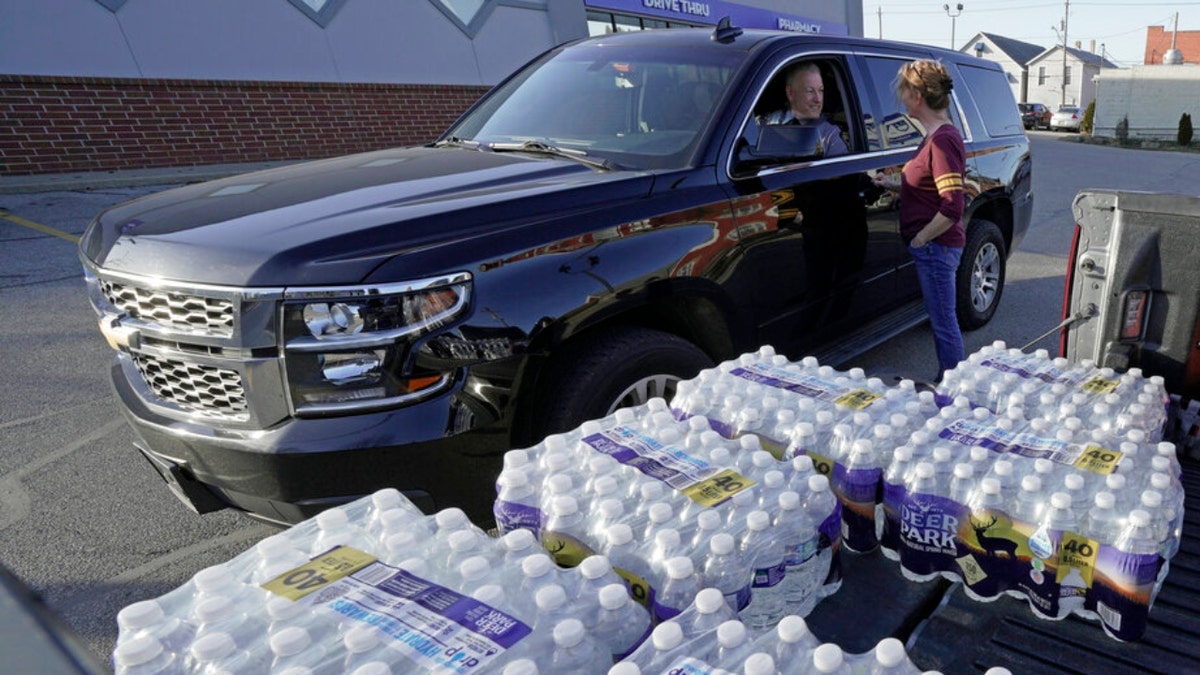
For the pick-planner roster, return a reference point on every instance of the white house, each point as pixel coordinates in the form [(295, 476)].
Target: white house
[(1056, 81), (1012, 55)]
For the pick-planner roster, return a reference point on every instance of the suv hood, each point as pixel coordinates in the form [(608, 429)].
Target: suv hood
[(333, 221)]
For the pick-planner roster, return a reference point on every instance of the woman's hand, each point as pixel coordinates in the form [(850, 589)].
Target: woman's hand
[(887, 182)]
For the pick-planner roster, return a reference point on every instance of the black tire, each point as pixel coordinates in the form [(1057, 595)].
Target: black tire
[(613, 369), (980, 280)]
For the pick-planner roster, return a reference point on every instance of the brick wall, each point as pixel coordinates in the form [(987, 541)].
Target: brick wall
[(1158, 42), (72, 124)]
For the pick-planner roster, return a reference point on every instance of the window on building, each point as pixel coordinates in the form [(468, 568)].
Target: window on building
[(1041, 75), (604, 23), (1067, 75)]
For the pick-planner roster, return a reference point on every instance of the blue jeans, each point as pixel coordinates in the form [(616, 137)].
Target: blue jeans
[(936, 268)]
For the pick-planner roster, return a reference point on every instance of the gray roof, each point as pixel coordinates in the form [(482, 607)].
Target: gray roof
[(1021, 52), (1086, 57)]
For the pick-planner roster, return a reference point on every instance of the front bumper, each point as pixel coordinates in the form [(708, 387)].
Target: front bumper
[(299, 467)]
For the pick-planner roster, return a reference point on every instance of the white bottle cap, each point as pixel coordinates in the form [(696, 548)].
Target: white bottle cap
[(1152, 499), (615, 596), (1139, 518), (1166, 449), (721, 543), (397, 519), (400, 542), (519, 540), (1060, 500), (623, 668), (652, 491), (941, 454), (731, 634), (709, 600), (924, 470), (523, 666), (536, 565), (667, 538), (827, 658), (139, 650), (1030, 483), (680, 567), (1043, 466), (559, 484), (610, 508), (619, 534), (660, 512), (1003, 467), (698, 424), (513, 478), (792, 629), (451, 518), (290, 641), (774, 477), (1115, 481), (416, 565), (360, 639), (492, 595), (461, 541), (213, 646), (789, 500), (556, 443), (890, 653), (568, 632), (140, 615), (277, 545), (213, 609), (564, 505), (963, 470), (388, 498), (594, 566), (758, 521), (550, 597), (280, 608), (709, 519), (1105, 500), (474, 568), (516, 458), (213, 579), (332, 519), (1073, 482), (818, 483), (667, 635)]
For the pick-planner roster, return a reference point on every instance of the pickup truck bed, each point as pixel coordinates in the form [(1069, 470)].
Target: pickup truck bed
[(945, 630)]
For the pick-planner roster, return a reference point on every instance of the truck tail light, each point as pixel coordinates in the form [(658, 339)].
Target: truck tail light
[(1070, 283), (1133, 315)]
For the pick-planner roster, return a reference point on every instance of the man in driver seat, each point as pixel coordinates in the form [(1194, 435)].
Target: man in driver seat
[(806, 97)]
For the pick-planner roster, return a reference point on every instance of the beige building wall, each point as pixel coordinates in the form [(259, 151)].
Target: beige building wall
[(1152, 97)]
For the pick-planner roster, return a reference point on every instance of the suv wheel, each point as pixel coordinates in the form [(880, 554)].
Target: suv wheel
[(980, 281), (614, 369)]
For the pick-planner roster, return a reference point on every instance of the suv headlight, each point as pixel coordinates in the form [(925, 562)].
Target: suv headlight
[(348, 348)]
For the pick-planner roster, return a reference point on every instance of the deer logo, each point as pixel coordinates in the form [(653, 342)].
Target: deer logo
[(993, 546)]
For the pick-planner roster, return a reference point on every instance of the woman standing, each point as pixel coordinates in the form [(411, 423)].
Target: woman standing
[(931, 201)]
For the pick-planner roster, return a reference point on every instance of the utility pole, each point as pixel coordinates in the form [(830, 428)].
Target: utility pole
[(1066, 16), (880, 13), (950, 12)]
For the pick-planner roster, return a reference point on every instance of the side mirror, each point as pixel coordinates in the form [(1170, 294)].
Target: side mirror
[(781, 144)]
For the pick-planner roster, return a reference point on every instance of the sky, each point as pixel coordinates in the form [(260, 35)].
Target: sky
[(1119, 26)]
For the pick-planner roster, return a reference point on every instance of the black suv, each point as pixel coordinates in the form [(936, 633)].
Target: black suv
[(606, 221)]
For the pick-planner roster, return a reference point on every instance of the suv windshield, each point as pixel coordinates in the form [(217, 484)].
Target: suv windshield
[(638, 108)]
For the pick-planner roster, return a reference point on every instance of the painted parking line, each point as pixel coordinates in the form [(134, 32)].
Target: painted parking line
[(44, 229)]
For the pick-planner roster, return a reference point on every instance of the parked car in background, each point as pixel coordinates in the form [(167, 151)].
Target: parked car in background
[(1066, 117), (1035, 115)]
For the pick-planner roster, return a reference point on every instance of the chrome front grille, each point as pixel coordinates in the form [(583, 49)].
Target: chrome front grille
[(206, 390), (180, 311)]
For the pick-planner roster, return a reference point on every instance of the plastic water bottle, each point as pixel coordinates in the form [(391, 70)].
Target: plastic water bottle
[(276, 554), (516, 505), (765, 552), (708, 523), (143, 655), (622, 551), (856, 484), (1102, 522), (218, 653), (576, 653), (622, 625), (659, 515), (295, 647), (660, 651), (773, 485), (565, 533), (1139, 542), (521, 666), (726, 571), (824, 510), (962, 484), (794, 642), (707, 613), (336, 529), (828, 659), (595, 572), (890, 658), (887, 514), (802, 469), (759, 663), (1030, 503), (538, 571), (1047, 539), (148, 618), (362, 646), (679, 591), (551, 601), (515, 547), (799, 537), (733, 645)]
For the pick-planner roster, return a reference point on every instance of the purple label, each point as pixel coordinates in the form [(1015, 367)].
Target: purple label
[(482, 619), (929, 533), (765, 577), (515, 516), (893, 497), (663, 612), (857, 490), (739, 599), (1122, 590), (831, 538)]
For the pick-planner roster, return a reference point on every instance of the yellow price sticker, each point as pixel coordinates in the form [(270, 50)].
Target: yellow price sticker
[(1099, 385), (1077, 552), (857, 399), (822, 464), (716, 489), (319, 572), (1099, 460)]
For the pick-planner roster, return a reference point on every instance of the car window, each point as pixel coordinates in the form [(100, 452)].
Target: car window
[(773, 106), (894, 128), (993, 100), (645, 109)]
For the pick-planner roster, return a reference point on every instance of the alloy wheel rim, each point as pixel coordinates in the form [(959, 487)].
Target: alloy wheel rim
[(654, 386), (985, 277)]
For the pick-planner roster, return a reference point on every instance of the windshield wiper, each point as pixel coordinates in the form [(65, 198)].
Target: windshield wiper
[(455, 141), (541, 148)]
